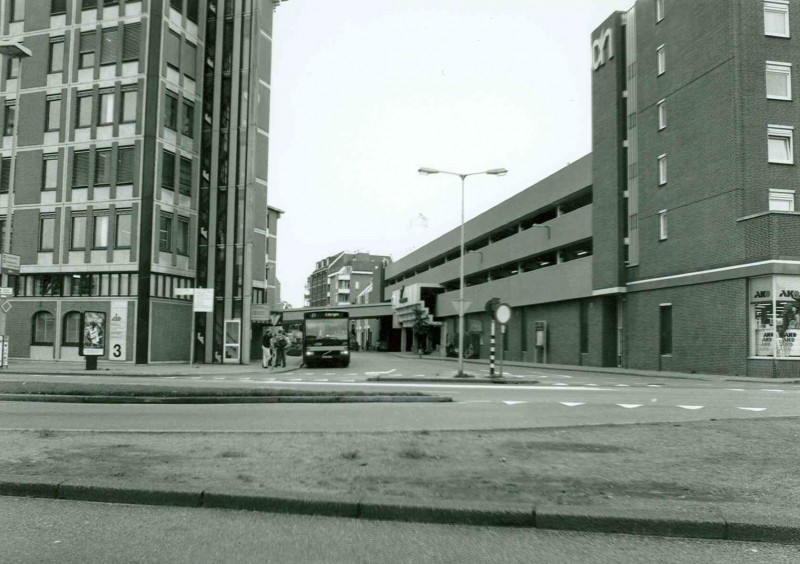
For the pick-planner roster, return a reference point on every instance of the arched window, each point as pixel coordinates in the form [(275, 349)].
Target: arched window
[(71, 329), (44, 328)]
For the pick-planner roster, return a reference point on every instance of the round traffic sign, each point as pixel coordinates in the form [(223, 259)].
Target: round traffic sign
[(503, 313)]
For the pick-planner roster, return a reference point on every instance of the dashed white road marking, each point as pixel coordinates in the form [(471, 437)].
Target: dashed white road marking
[(571, 403), (561, 384), (691, 406), (591, 384), (655, 385), (476, 401), (735, 389), (353, 374), (767, 390), (379, 373), (321, 380), (629, 405), (295, 379), (622, 385), (753, 408), (513, 402)]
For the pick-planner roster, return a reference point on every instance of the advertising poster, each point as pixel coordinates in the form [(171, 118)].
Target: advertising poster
[(118, 330), (93, 333)]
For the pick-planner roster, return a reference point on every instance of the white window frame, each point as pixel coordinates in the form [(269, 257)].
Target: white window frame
[(659, 10), (784, 69), (781, 132), (662, 169), (661, 60), (662, 225), (786, 196), (778, 7), (662, 114)]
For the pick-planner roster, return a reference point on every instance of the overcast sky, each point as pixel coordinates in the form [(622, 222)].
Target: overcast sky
[(364, 92)]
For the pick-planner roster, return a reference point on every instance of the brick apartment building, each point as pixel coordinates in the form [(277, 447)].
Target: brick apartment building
[(685, 252), (339, 279), (139, 129)]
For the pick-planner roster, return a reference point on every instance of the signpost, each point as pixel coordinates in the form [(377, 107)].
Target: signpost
[(502, 314)]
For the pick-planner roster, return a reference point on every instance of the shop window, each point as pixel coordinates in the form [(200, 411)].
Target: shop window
[(44, 328), (71, 328), (775, 316)]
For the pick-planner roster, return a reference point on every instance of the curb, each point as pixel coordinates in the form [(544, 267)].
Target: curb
[(488, 381), (713, 523), (222, 399)]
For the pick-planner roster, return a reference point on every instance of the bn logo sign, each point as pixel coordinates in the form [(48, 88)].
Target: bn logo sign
[(602, 49)]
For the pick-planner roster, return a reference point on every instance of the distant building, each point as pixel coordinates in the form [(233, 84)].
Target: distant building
[(339, 279)]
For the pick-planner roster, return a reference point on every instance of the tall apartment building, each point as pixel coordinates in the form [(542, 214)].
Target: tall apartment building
[(686, 255), (339, 279), (140, 134)]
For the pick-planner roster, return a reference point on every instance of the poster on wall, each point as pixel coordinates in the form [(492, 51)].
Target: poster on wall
[(93, 333), (118, 330)]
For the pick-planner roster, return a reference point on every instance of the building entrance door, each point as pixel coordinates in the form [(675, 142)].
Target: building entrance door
[(233, 333)]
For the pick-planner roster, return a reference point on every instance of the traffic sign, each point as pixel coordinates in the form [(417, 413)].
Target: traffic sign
[(503, 313), (6, 291), (203, 300), (9, 263), (5, 306)]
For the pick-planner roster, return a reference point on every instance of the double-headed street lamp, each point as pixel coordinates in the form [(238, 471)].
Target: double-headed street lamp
[(11, 50), (494, 172)]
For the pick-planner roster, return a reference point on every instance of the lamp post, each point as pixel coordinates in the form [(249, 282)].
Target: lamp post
[(493, 172), (11, 50)]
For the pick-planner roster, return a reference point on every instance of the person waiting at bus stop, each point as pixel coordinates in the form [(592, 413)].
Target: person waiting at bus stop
[(266, 350), (280, 349)]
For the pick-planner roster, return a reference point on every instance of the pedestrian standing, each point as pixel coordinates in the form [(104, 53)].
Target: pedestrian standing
[(280, 349), (266, 350)]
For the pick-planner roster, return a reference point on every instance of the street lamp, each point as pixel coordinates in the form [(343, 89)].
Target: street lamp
[(425, 171), (11, 50)]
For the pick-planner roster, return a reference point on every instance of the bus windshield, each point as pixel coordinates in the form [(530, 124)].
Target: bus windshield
[(326, 330)]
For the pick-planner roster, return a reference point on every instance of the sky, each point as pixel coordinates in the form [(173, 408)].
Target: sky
[(365, 92)]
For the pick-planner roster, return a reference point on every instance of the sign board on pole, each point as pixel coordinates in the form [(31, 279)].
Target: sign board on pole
[(5, 306), (458, 304), (9, 264), (203, 300), (6, 291), (502, 313), (118, 330)]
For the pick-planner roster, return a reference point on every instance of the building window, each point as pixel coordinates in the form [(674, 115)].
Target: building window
[(17, 10), (776, 18), (662, 170), (125, 165), (130, 102), (781, 200), (87, 49), (46, 232), (53, 113), (182, 237), (661, 59), (12, 68), (168, 170), (122, 236), (662, 114), (189, 59), (106, 114), (100, 231), (131, 40), (172, 50), (665, 322), (71, 329), (58, 7), (779, 144), (50, 171), (662, 225), (185, 185), (659, 10), (84, 118), (171, 111), (78, 233), (88, 4), (108, 48), (5, 175), (165, 233), (102, 167), (187, 125), (56, 57), (8, 122), (191, 12), (779, 81), (44, 328), (80, 169)]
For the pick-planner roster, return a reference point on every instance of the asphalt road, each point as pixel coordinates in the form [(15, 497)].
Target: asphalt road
[(37, 530), (561, 399)]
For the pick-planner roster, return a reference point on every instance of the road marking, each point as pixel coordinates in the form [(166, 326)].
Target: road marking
[(321, 380), (735, 389), (622, 385), (561, 384), (418, 376), (513, 402), (348, 380), (767, 390), (655, 385), (753, 408), (218, 378), (476, 401), (591, 384), (571, 403), (329, 374), (244, 379), (691, 406), (629, 405), (295, 379), (308, 373), (353, 374), (379, 373)]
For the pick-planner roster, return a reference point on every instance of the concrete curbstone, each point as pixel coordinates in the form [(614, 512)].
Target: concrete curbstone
[(297, 504), (708, 525), (24, 486), (78, 491), (446, 512), (762, 528), (73, 398)]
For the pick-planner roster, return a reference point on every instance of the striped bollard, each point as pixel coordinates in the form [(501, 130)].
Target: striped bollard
[(491, 353)]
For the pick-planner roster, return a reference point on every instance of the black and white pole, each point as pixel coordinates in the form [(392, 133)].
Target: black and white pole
[(491, 353)]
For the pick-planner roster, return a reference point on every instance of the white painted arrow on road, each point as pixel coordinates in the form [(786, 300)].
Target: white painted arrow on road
[(691, 406), (571, 403), (629, 405)]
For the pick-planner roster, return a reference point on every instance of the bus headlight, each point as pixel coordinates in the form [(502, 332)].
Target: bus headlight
[(345, 352), (309, 353)]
